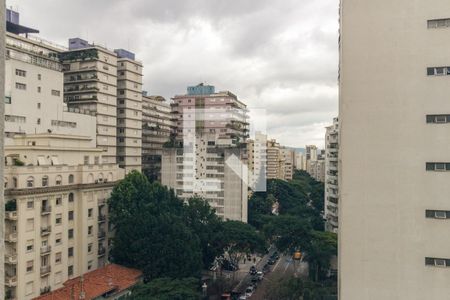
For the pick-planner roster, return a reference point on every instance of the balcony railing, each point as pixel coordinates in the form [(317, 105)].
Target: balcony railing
[(46, 250), (12, 237), (101, 234), (11, 215), (11, 259), (45, 290), (45, 230), (101, 218), (10, 280), (46, 209), (45, 270)]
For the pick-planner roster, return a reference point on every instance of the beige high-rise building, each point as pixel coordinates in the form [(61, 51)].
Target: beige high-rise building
[(316, 168), (129, 111), (257, 161), (90, 84), (288, 157), (2, 127), (311, 152), (300, 161), (273, 159), (394, 151), (56, 188), (331, 176), (157, 127)]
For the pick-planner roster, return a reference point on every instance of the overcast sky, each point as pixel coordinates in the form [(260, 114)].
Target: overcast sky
[(279, 55)]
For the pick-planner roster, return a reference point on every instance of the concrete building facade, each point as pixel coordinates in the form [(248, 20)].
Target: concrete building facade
[(56, 214), (394, 155), (331, 176)]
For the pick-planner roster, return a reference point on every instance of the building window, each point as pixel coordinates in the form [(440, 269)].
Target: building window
[(438, 118), (30, 224), (39, 89), (39, 105), (90, 212), (29, 245), (58, 257), (437, 166), (86, 160), (58, 180), (45, 181), (89, 249), (437, 262), (90, 230), (70, 252), (21, 86), (70, 233), (21, 73), (437, 214), (7, 99), (58, 219), (58, 201), (438, 71), (89, 265), (70, 271), (71, 197), (56, 93), (39, 76), (71, 178), (30, 265), (58, 239), (30, 204), (71, 215), (438, 23)]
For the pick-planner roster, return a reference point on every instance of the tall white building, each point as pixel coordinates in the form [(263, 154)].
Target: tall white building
[(257, 161), (394, 151), (2, 111), (331, 176), (311, 152)]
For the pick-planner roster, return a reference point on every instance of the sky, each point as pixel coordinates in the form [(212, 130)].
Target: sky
[(276, 55)]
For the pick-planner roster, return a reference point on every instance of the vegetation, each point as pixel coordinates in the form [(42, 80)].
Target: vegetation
[(171, 240), (167, 289), (11, 205)]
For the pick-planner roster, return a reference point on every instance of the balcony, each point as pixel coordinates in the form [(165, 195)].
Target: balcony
[(45, 290), (45, 270), (10, 280), (12, 237), (45, 230), (11, 215), (101, 218), (101, 251), (46, 250), (45, 210), (11, 259), (101, 202), (101, 234)]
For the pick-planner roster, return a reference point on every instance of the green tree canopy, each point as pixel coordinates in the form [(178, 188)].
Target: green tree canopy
[(167, 289)]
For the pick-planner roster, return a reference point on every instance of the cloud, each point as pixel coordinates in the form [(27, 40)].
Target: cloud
[(281, 55)]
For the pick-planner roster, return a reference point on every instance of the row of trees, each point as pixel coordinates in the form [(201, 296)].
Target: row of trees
[(298, 226), (170, 240)]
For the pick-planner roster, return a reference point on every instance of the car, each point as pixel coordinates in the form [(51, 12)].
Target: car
[(226, 296), (260, 275), (252, 270), (271, 261), (275, 255), (266, 268), (243, 297), (229, 266), (249, 291)]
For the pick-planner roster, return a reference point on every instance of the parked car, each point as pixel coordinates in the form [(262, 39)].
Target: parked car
[(249, 291), (275, 255), (243, 297), (252, 270), (225, 296), (260, 275), (266, 269)]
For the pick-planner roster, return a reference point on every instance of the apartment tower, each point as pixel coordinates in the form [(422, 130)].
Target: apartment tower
[(2, 112), (331, 176), (129, 111), (394, 168)]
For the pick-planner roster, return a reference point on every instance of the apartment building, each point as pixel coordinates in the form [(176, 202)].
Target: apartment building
[(394, 150), (2, 130), (157, 127), (316, 168), (300, 161), (90, 84), (257, 161), (288, 157), (274, 163), (56, 227), (331, 176), (311, 152), (129, 111), (33, 90), (208, 156)]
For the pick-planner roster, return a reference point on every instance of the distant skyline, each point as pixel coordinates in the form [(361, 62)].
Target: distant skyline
[(280, 55)]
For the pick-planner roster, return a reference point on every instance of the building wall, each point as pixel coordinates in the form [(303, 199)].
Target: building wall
[(2, 130), (53, 198), (385, 143)]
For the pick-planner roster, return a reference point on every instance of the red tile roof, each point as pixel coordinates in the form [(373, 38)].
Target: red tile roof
[(112, 277)]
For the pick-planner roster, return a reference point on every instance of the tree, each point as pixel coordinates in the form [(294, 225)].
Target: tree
[(204, 222), (321, 249), (167, 289), (241, 239), (150, 233), (285, 289)]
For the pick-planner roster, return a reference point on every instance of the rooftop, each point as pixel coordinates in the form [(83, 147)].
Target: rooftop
[(108, 280)]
